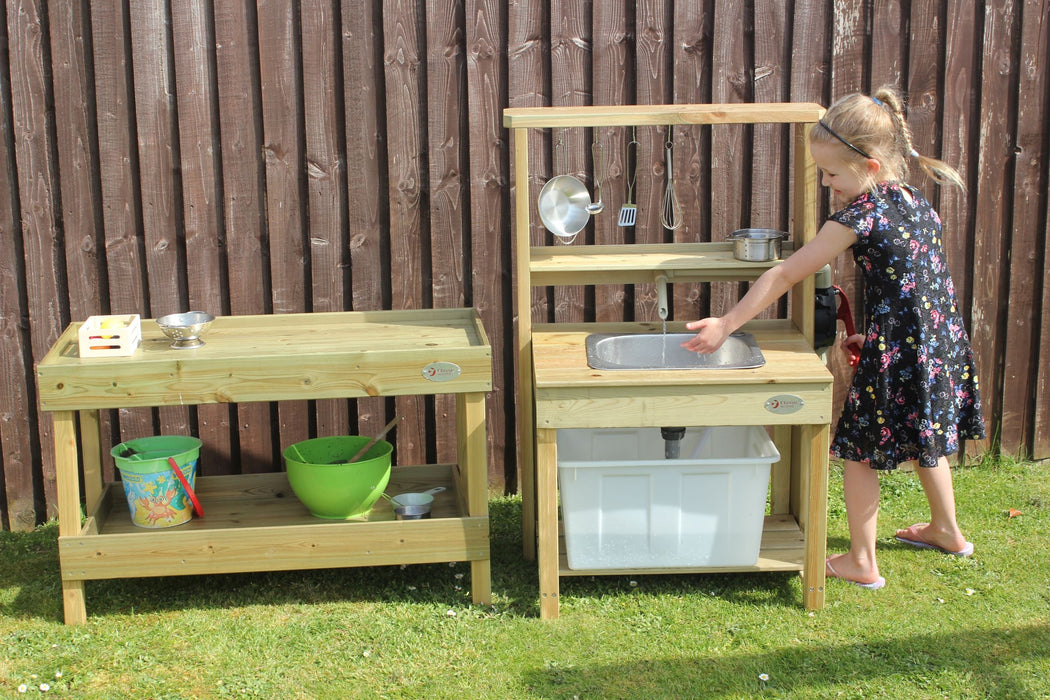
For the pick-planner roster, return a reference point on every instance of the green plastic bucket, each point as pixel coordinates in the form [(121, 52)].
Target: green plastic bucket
[(155, 496), (327, 485)]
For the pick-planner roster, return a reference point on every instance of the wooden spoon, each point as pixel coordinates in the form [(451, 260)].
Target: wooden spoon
[(374, 440)]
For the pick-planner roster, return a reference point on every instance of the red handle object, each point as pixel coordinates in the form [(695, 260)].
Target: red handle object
[(846, 316), (186, 485)]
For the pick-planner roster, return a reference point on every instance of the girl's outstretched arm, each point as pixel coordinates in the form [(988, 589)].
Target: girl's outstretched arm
[(832, 239)]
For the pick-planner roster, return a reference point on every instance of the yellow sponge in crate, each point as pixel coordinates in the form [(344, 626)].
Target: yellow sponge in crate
[(110, 336)]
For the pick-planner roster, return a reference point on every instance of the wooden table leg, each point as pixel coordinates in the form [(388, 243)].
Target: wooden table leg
[(91, 449), (472, 449), (815, 441), (547, 519), (67, 482)]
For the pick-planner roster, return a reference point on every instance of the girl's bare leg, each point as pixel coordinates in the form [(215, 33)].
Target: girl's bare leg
[(942, 530), (860, 485)]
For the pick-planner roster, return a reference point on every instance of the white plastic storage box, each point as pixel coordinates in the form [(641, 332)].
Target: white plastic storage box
[(624, 506)]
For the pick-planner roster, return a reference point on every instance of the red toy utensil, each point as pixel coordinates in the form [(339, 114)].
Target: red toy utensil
[(846, 316), (186, 485)]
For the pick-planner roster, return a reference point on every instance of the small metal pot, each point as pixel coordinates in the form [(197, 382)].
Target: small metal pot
[(757, 244)]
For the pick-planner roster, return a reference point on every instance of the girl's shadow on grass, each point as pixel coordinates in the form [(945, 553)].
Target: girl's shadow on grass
[(1008, 673)]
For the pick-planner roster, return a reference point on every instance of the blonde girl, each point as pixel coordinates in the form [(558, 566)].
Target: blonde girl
[(914, 395)]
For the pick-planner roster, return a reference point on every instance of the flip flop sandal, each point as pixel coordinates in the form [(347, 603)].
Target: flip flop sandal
[(830, 572), (966, 551)]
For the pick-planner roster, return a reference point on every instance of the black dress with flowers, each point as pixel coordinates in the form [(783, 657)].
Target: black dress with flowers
[(915, 392)]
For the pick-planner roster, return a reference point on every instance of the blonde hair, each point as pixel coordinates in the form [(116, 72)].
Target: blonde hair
[(874, 127)]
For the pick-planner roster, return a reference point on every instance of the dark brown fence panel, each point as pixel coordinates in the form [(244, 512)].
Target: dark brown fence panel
[(19, 460), (1027, 232), (118, 168), (366, 185), (491, 241), (205, 266), (286, 156), (43, 254), (998, 107), (326, 233), (244, 227), (405, 71), (447, 119)]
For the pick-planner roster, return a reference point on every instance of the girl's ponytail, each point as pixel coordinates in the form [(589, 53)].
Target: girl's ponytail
[(941, 172)]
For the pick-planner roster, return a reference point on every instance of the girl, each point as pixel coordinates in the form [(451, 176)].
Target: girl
[(915, 394)]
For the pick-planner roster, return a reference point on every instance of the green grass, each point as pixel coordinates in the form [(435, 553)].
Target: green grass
[(943, 627)]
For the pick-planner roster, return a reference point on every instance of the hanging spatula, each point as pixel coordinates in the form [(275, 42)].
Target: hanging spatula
[(629, 212)]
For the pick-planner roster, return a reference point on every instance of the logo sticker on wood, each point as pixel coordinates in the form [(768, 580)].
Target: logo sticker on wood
[(441, 371), (784, 404)]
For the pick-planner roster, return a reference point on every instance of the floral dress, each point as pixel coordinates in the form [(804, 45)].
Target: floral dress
[(914, 394)]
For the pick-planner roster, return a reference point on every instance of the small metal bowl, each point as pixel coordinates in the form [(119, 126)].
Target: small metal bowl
[(185, 330)]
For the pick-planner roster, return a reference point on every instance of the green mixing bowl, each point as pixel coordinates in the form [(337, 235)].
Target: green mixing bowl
[(327, 485)]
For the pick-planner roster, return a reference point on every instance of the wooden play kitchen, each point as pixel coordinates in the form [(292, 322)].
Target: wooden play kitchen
[(253, 522), (791, 393)]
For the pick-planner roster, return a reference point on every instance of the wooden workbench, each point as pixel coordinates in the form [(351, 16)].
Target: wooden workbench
[(253, 522)]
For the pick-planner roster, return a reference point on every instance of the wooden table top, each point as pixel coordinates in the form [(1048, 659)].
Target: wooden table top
[(278, 357)]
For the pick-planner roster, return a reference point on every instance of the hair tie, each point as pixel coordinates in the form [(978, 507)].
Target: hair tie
[(914, 153), (877, 101)]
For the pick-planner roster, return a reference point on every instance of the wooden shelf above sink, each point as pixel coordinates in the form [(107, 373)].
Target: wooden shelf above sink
[(636, 264)]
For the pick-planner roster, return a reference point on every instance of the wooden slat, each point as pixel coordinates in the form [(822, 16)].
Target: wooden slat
[(202, 214), (657, 114), (118, 174), (17, 512), (280, 45), (365, 181), (655, 57), (74, 143), (448, 182), (1022, 336), (612, 85), (731, 156), (889, 41), (406, 168), (959, 149), (326, 180), (38, 196), (490, 237), (157, 142), (693, 153), (243, 207), (571, 85), (991, 247)]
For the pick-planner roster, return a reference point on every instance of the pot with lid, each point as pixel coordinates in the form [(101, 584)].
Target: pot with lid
[(757, 244)]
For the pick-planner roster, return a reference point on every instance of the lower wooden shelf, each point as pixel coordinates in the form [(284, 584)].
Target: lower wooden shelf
[(255, 522), (783, 549)]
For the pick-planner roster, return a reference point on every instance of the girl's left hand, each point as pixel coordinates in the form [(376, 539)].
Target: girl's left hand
[(851, 346)]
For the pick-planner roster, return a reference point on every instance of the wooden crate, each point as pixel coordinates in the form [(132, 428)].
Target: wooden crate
[(109, 336)]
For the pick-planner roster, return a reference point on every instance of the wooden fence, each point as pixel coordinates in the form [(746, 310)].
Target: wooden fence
[(282, 156)]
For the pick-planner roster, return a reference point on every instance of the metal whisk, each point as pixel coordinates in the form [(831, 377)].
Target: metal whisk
[(671, 216)]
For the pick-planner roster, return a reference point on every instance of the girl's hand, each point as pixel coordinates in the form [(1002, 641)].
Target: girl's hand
[(712, 333), (851, 346)]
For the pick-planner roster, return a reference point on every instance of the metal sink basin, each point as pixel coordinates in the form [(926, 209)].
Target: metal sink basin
[(612, 351)]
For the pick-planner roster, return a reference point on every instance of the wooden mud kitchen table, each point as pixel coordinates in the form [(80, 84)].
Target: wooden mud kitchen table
[(790, 395), (253, 522)]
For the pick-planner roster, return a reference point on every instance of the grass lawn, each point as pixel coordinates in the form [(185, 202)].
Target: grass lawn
[(942, 628)]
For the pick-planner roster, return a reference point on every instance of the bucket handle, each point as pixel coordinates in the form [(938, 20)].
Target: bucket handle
[(186, 485)]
